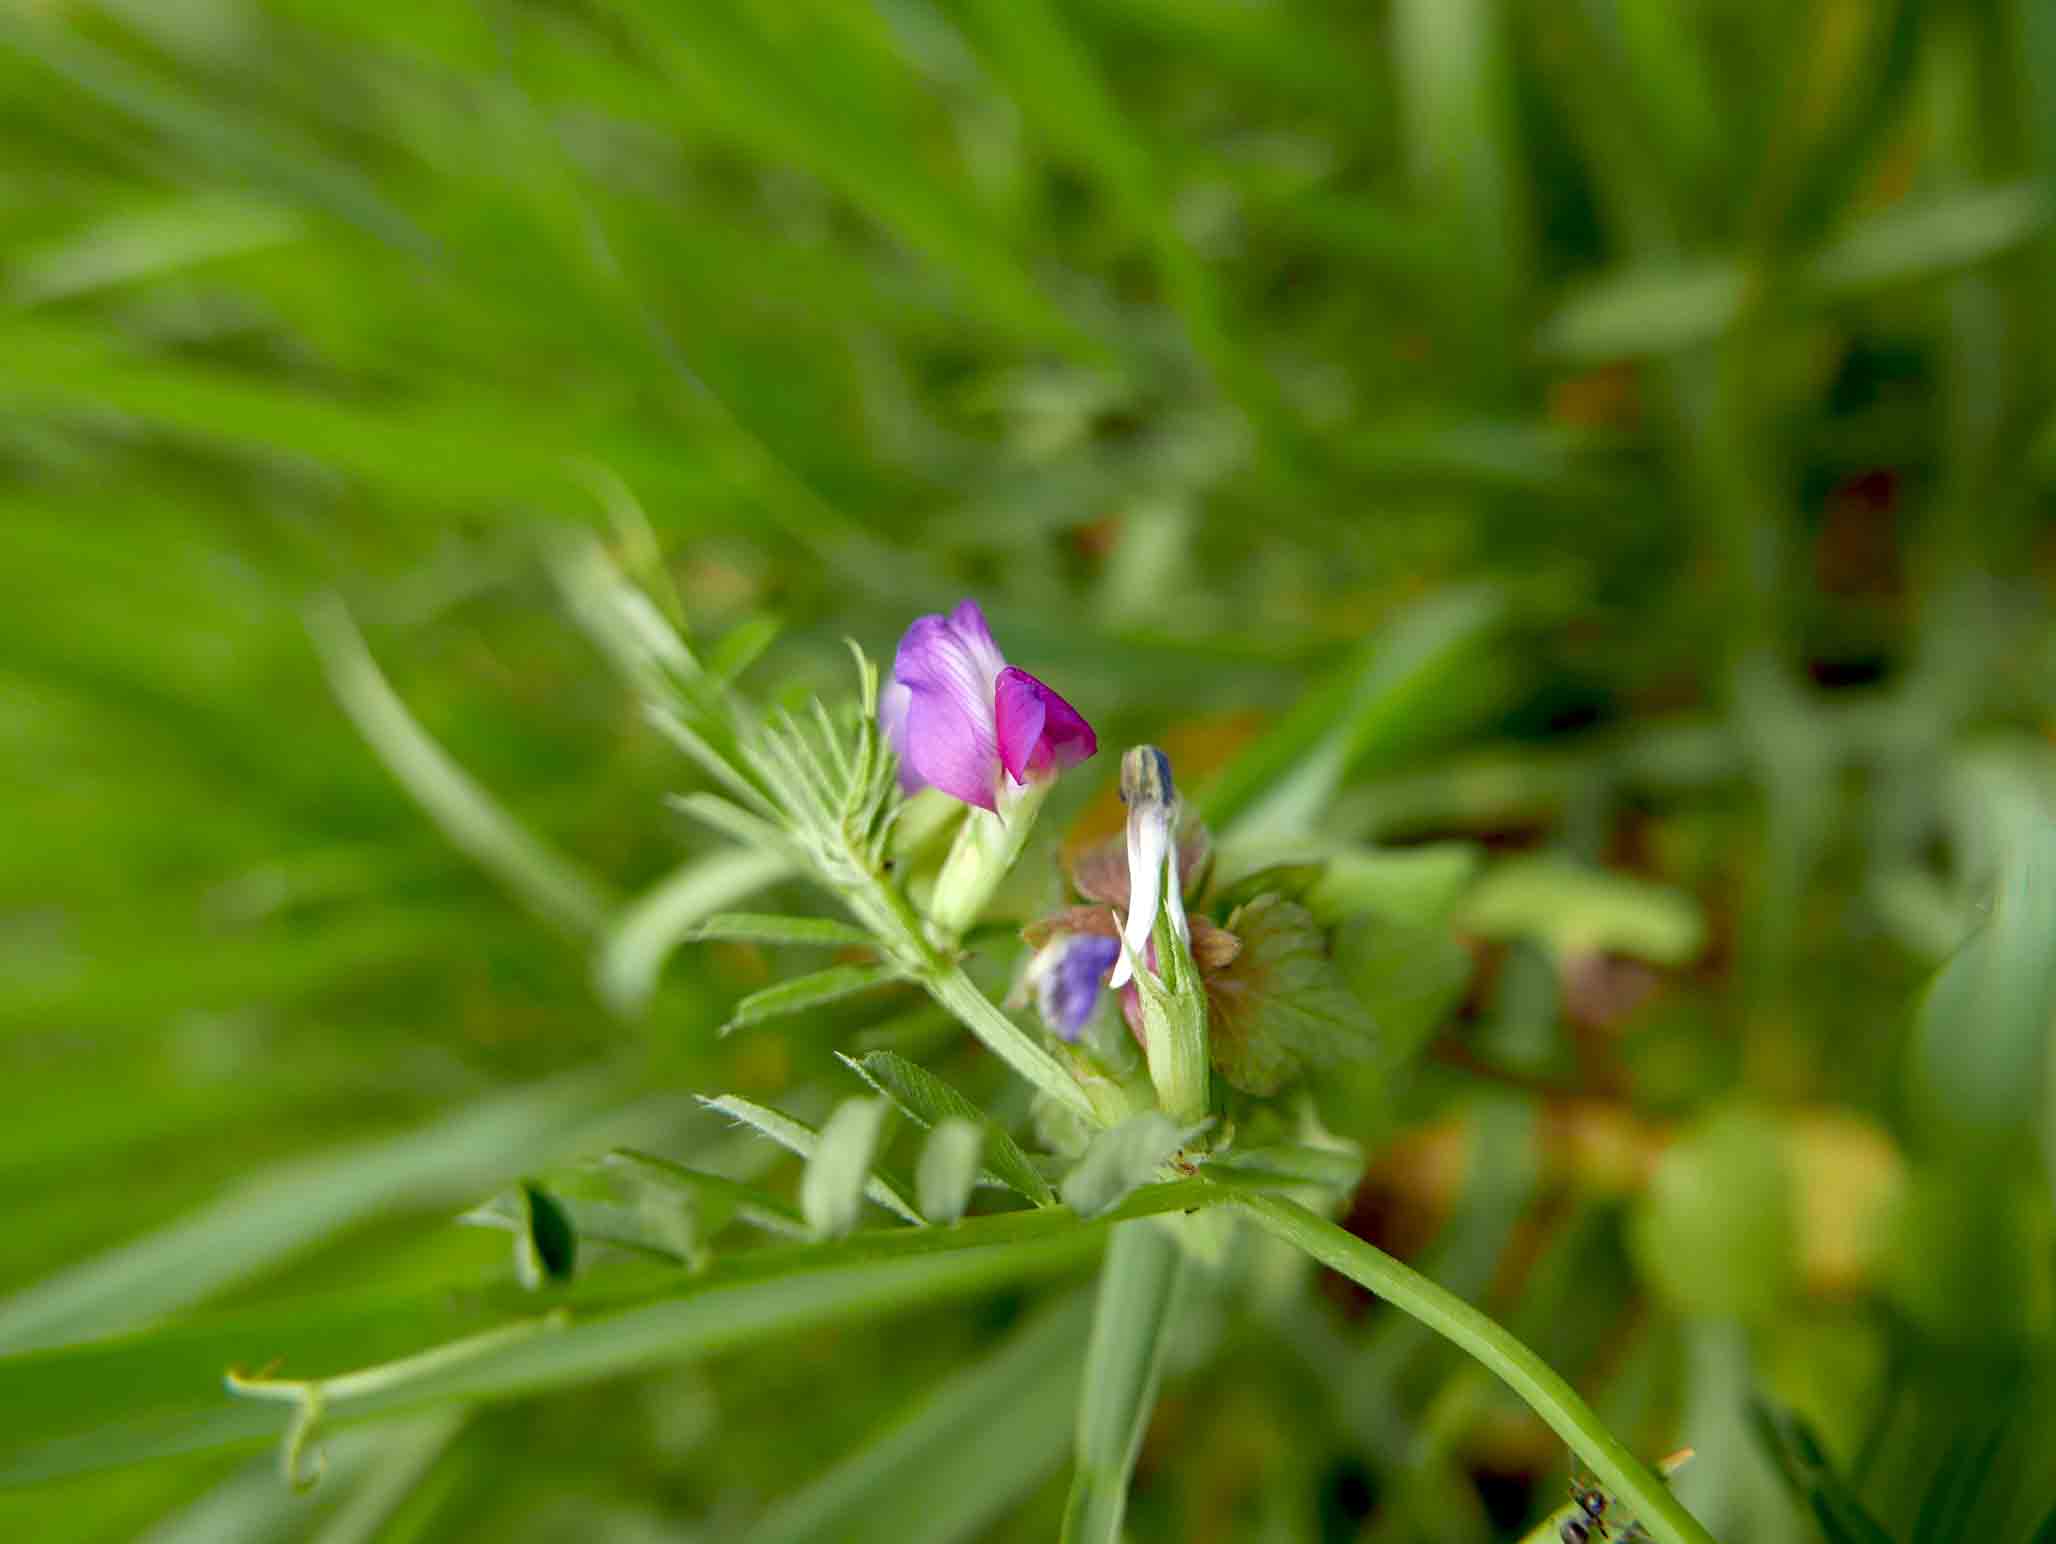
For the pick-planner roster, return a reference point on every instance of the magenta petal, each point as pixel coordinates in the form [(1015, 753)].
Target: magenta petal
[(1019, 712), (1038, 731)]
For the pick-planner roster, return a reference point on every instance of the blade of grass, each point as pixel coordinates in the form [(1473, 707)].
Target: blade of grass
[(288, 1209), (959, 1457), (546, 881), (97, 1406), (641, 936), (267, 152), (1282, 783), (1138, 1287), (1642, 311), (1451, 62)]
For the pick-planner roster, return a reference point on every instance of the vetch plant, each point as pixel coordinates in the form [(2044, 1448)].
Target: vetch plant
[(1182, 1023)]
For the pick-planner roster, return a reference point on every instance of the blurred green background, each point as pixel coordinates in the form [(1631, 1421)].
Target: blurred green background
[(1616, 435)]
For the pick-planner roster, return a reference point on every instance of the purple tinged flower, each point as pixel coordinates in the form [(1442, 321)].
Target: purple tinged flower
[(1068, 974), (959, 715)]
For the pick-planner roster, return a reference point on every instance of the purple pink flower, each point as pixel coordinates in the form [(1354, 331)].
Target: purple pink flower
[(959, 715)]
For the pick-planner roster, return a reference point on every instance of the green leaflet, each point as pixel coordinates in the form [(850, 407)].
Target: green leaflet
[(1580, 909), (1121, 1160), (805, 992), (755, 927), (832, 1190), (927, 1099), (798, 1137), (546, 1248), (948, 1169), (648, 1180), (1281, 1006), (647, 1206), (959, 1456)]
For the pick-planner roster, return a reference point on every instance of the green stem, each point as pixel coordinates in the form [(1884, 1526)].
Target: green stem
[(1638, 1491), (1137, 1285), (957, 992), (987, 847)]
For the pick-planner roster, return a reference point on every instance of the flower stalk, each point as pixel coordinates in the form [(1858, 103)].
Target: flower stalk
[(946, 982), (987, 846)]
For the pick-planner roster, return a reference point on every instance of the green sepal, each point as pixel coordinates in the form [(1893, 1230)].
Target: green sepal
[(1174, 1023)]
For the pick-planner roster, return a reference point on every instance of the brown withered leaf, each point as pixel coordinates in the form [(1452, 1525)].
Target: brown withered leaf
[(1213, 948), (1072, 919), (1281, 1007)]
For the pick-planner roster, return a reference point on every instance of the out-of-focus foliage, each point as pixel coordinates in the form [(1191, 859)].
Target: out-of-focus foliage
[(1598, 451)]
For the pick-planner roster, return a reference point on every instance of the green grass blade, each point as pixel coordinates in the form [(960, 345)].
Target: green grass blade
[(268, 152), (1283, 782), (83, 1408), (641, 936), (763, 97), (1138, 1287), (1452, 62), (287, 1210), (545, 880), (1647, 311), (955, 1461)]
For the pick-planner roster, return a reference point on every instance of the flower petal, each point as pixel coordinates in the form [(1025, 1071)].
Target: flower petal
[(1018, 713), (1149, 842), (894, 700), (1070, 980), (967, 622), (1039, 732), (946, 729)]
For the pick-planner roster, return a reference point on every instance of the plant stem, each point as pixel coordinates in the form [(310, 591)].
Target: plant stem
[(1137, 1286), (957, 992), (987, 847), (1637, 1490)]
